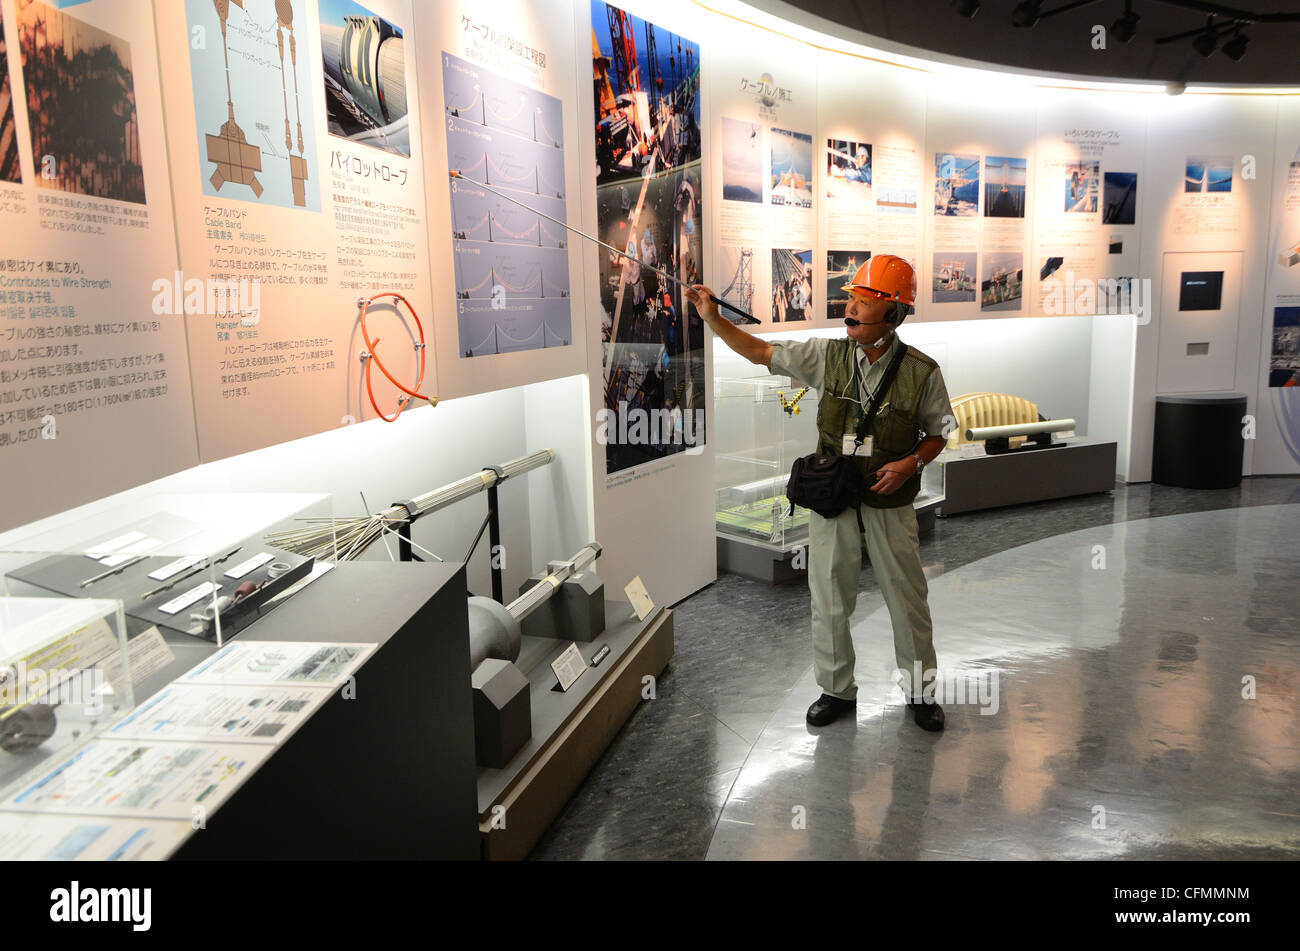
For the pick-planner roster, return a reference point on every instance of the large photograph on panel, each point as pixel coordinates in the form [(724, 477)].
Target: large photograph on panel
[(649, 201), (10, 167), (80, 106)]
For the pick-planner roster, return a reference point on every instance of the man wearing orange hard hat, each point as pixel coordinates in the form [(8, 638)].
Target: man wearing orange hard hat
[(905, 433)]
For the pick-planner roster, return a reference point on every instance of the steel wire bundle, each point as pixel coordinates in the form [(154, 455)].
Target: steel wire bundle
[(344, 539)]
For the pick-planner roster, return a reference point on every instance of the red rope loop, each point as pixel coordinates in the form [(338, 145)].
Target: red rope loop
[(372, 358)]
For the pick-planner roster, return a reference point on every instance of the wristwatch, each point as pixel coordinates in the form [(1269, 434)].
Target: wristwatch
[(920, 463)]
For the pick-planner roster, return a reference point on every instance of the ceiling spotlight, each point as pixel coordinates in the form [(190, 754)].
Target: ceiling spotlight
[(1026, 13), (1235, 48), (966, 8), (1126, 27)]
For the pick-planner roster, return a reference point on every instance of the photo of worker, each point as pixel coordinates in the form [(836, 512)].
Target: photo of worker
[(365, 77), (10, 167), (647, 96), (1004, 187), (742, 160), (1081, 186), (953, 279), (792, 297), (1002, 281), (1284, 364), (840, 268), (649, 207), (792, 167), (1208, 174), (956, 185), (848, 161), (1119, 198), (81, 106), (736, 270)]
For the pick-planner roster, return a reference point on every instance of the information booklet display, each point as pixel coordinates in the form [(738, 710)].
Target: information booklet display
[(203, 565), (64, 675), (764, 424)]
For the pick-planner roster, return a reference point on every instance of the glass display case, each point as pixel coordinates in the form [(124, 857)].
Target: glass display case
[(64, 674), (763, 424), (204, 564)]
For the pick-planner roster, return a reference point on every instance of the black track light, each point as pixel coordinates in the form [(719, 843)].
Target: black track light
[(1126, 27), (966, 8), (1026, 14), (1235, 48), (1206, 42)]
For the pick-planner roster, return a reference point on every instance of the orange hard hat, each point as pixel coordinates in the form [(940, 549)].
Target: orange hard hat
[(885, 276)]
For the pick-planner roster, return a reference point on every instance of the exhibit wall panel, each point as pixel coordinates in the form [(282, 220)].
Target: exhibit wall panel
[(870, 152), (763, 92), (1277, 409), (1110, 386), (976, 199), (500, 84), (1208, 179), (560, 504), (295, 151), (94, 373), (654, 516), (1088, 186)]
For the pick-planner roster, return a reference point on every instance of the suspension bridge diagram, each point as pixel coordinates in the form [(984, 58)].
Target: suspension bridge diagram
[(511, 264)]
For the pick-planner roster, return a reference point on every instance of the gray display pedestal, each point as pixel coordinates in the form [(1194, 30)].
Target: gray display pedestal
[(969, 484), (570, 729)]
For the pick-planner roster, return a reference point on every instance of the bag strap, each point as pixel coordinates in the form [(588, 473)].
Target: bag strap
[(886, 382)]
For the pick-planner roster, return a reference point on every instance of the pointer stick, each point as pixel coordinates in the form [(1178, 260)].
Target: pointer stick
[(749, 318)]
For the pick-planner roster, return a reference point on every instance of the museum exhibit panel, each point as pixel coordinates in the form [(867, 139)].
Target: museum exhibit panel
[(352, 408)]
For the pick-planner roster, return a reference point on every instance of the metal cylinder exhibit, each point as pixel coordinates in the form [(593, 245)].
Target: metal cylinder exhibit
[(1020, 429), (494, 628)]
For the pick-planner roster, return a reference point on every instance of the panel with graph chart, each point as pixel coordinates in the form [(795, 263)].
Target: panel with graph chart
[(511, 261)]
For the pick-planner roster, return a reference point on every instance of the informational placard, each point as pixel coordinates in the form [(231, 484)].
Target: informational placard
[(28, 838), (139, 778), (87, 364), (765, 173), (1087, 188), (213, 712), (259, 663), (500, 107), (872, 154), (297, 168)]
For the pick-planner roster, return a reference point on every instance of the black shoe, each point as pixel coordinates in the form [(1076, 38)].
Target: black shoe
[(827, 708), (929, 716)]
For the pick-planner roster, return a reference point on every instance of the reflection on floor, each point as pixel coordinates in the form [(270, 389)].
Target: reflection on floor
[(1120, 730)]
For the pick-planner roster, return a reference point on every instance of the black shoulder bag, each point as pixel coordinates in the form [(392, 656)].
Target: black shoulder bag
[(828, 483)]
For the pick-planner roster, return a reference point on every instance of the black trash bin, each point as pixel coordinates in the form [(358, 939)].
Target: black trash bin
[(1198, 441)]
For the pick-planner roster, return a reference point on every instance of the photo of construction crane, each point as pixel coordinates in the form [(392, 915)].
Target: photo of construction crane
[(791, 169), (956, 185), (953, 277), (1004, 187), (649, 204)]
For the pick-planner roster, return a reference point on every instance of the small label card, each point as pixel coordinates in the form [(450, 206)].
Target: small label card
[(113, 544), (569, 666), (175, 567), (639, 598), (183, 601), (244, 567), (971, 449), (1066, 433)]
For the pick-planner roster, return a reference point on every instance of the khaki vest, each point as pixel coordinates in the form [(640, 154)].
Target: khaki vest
[(896, 427)]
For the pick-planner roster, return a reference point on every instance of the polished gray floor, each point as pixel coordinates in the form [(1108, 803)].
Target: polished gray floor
[(1120, 729)]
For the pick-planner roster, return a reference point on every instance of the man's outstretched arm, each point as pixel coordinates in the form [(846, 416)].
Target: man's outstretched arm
[(754, 349)]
